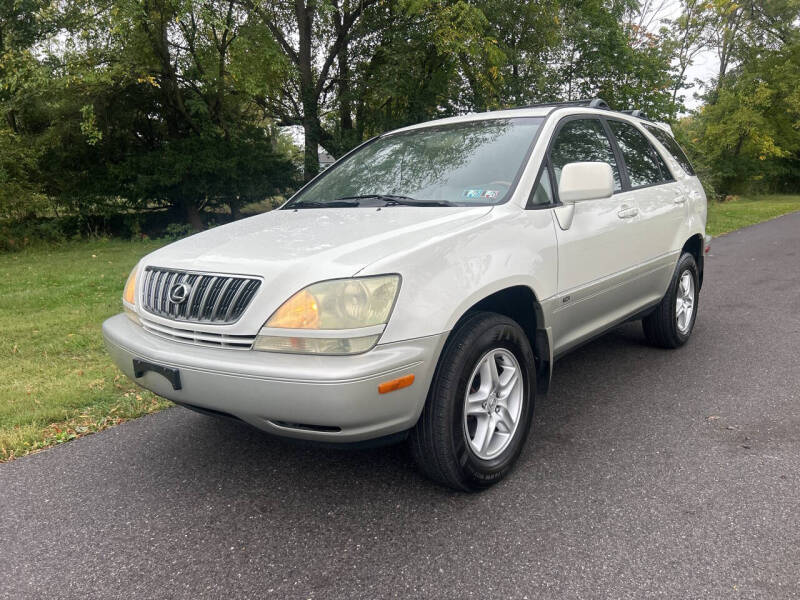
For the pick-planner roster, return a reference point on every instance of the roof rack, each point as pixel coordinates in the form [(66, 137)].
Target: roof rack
[(636, 113), (588, 102), (593, 103)]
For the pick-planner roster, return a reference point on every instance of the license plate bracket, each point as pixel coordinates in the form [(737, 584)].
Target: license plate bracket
[(140, 367)]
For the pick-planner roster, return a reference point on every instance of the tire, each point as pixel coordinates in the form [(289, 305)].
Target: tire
[(665, 327), (450, 442)]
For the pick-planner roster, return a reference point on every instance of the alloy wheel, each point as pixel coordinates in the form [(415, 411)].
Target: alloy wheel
[(684, 303), (493, 403)]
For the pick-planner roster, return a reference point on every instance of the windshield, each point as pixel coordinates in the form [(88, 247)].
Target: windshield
[(463, 164)]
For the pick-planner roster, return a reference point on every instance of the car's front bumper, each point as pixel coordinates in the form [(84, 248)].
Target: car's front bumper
[(330, 398)]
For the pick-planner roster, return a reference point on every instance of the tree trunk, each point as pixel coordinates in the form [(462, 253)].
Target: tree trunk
[(345, 103), (236, 209), (193, 216), (308, 89), (313, 137), (11, 118), (155, 27)]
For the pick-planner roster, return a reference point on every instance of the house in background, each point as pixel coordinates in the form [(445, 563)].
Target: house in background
[(325, 160)]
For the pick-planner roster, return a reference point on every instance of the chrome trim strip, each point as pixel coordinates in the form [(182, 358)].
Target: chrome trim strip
[(198, 338), (235, 299), (220, 296), (323, 333)]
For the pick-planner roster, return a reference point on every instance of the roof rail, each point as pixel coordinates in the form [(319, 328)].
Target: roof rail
[(592, 103), (589, 102)]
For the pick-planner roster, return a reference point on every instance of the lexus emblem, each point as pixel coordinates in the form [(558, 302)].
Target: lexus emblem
[(179, 292)]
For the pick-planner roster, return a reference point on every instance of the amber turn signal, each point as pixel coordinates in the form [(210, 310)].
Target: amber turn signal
[(129, 295), (396, 384), (301, 311)]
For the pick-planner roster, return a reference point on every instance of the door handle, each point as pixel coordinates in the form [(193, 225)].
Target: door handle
[(627, 212), (679, 199)]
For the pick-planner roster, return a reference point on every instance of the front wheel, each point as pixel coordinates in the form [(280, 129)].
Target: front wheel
[(672, 321), (480, 404)]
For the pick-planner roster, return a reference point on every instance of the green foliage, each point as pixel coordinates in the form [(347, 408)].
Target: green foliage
[(417, 69), (525, 35), (22, 24), (19, 193), (176, 231), (603, 54), (124, 106), (746, 138), (139, 105)]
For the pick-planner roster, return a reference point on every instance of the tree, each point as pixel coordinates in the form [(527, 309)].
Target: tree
[(604, 53), (152, 108), (688, 37), (312, 35), (747, 135), (153, 104), (428, 59), (22, 23), (525, 34)]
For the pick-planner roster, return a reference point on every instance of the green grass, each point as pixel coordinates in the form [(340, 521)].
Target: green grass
[(56, 380), (724, 217)]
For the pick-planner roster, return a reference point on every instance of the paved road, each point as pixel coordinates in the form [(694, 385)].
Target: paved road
[(650, 474)]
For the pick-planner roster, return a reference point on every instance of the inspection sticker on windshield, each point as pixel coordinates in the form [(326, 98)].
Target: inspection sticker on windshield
[(474, 193)]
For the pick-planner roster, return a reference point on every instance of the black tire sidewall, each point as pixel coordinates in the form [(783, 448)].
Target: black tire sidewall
[(499, 332), (686, 262)]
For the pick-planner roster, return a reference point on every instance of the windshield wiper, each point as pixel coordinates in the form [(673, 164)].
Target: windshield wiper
[(340, 203), (394, 200)]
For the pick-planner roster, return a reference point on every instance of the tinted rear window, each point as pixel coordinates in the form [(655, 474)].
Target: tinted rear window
[(672, 147), (645, 166)]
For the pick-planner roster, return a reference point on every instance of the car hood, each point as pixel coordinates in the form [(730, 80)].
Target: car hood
[(336, 242)]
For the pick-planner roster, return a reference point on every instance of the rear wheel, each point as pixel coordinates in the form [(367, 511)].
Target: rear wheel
[(480, 404), (671, 323)]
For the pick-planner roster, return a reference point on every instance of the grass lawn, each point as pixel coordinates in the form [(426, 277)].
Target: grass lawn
[(57, 382), (724, 217)]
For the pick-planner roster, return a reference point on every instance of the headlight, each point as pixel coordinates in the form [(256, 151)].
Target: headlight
[(129, 296), (342, 316)]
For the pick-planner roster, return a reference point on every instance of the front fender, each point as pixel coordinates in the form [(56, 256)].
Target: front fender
[(444, 277)]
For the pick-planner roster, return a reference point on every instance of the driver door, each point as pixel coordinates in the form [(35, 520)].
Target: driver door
[(597, 250)]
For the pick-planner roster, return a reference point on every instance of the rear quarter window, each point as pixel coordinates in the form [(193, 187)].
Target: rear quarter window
[(672, 147)]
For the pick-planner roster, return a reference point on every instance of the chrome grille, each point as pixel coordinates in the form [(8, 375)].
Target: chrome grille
[(199, 338), (219, 299)]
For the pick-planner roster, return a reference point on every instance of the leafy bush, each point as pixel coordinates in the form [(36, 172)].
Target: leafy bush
[(175, 231)]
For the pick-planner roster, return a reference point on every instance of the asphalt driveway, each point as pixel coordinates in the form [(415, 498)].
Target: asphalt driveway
[(650, 473)]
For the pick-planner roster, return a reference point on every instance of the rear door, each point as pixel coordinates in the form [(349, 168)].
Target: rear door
[(660, 200)]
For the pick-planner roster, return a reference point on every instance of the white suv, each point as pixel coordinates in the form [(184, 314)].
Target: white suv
[(423, 286)]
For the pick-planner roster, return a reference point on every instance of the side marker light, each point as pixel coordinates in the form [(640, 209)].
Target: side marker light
[(396, 384)]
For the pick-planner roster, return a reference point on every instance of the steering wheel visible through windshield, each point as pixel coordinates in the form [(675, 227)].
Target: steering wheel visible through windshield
[(462, 164)]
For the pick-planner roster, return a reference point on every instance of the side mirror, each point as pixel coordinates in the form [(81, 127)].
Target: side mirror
[(585, 181)]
